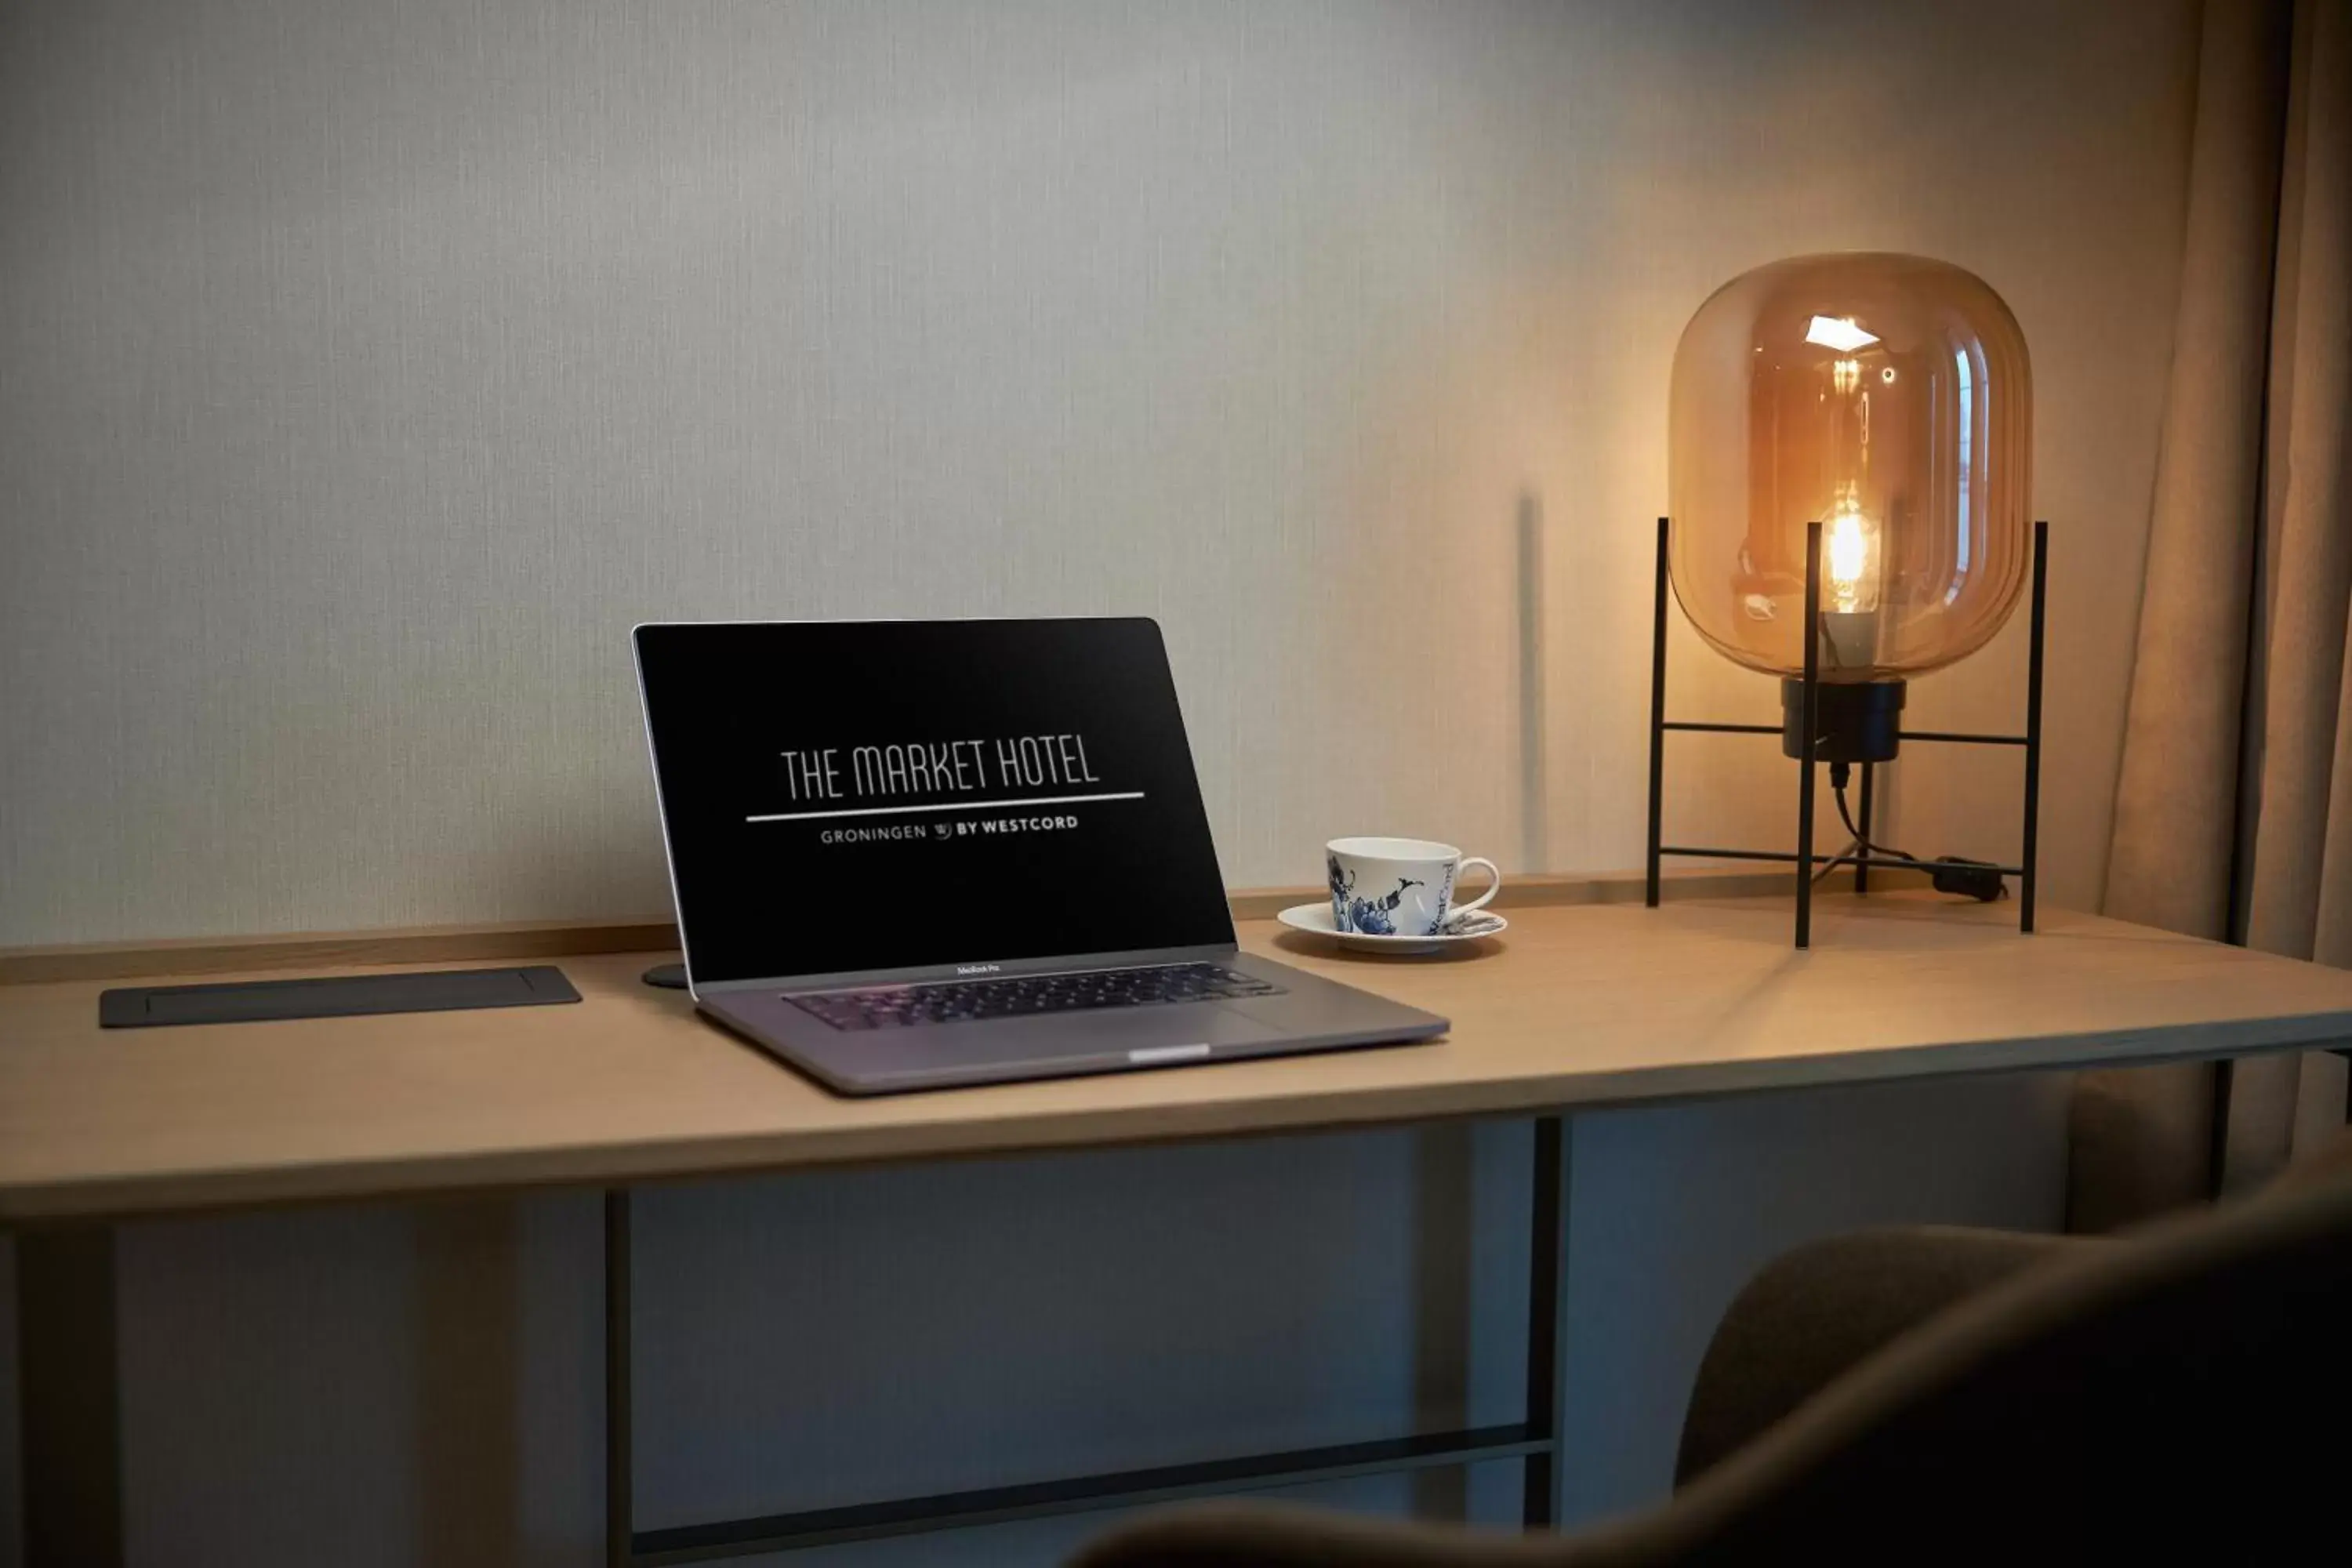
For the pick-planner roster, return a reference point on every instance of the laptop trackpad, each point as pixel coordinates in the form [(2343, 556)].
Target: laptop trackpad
[(1170, 1029), (1143, 1034)]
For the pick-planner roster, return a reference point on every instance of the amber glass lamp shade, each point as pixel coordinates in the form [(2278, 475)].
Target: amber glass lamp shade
[(1886, 397)]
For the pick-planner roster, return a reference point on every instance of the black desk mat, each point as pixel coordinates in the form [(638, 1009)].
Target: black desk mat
[(339, 996)]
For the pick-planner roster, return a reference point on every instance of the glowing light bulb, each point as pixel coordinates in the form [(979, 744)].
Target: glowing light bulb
[(1849, 551), (1850, 583)]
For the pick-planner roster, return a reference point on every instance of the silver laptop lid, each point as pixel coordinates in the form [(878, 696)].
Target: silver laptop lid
[(853, 797)]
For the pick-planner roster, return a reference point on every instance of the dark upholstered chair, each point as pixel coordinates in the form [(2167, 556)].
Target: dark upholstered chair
[(1931, 1397)]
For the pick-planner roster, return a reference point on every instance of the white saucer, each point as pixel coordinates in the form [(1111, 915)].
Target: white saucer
[(1317, 919)]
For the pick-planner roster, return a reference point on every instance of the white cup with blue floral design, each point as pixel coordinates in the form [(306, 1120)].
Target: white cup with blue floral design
[(1399, 886)]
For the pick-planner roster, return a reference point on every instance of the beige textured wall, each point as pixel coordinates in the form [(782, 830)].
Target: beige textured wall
[(367, 368)]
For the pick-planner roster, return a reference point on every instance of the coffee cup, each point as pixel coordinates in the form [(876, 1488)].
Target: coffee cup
[(1399, 886)]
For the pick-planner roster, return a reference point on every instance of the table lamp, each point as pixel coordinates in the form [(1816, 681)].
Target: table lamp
[(1850, 441)]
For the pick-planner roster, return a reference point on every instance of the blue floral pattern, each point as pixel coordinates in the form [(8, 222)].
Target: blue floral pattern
[(1370, 917)]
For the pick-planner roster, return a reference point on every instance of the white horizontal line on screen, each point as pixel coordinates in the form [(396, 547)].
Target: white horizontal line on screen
[(949, 806)]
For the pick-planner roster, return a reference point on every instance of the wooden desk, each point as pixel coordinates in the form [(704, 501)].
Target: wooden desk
[(1578, 1006)]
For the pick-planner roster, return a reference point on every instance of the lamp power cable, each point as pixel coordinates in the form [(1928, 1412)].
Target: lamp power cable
[(1977, 880)]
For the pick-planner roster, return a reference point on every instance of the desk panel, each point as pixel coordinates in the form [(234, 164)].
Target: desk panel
[(1576, 1007)]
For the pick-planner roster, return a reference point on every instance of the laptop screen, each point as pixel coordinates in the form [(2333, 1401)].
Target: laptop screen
[(842, 796)]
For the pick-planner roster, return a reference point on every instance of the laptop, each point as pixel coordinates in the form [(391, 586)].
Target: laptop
[(910, 855)]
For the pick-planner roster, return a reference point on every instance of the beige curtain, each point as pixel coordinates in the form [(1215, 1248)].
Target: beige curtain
[(2233, 812)]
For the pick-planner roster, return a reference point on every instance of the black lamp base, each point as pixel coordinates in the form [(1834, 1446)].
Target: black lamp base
[(1854, 720)]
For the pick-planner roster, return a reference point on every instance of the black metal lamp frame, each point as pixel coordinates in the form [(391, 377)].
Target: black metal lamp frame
[(1805, 860)]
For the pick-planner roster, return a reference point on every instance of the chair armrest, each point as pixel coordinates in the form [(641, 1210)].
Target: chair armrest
[(1805, 1319), (1821, 1308)]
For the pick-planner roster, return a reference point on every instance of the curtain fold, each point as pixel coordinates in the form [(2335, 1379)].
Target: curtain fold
[(2233, 809)]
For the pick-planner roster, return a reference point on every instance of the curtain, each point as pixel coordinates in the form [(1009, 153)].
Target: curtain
[(2233, 809)]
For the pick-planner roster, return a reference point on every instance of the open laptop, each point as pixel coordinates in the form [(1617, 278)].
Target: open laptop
[(915, 854)]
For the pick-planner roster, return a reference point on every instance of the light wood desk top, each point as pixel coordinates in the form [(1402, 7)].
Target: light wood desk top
[(1577, 1007)]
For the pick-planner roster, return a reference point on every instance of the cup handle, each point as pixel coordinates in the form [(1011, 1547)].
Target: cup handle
[(1494, 886)]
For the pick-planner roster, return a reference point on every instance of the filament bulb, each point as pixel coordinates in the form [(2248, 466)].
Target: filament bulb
[(1849, 548)]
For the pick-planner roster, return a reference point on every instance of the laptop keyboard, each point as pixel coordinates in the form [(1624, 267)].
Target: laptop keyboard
[(1027, 996)]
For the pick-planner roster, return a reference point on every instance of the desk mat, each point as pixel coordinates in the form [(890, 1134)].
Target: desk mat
[(340, 997)]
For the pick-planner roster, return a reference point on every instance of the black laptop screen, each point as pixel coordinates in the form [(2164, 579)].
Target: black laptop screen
[(889, 794)]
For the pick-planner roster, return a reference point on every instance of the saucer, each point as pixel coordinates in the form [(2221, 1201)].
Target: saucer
[(1317, 919)]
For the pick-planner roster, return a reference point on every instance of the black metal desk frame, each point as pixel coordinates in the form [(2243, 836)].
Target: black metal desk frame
[(1533, 1440), (73, 1418)]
